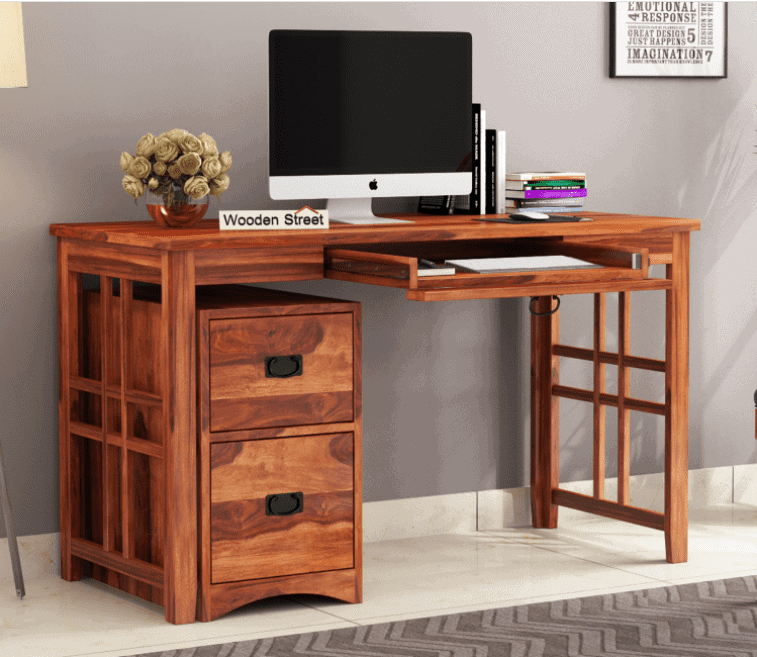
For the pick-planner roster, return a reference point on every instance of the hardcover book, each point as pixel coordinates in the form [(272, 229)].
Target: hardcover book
[(475, 203), (546, 184), (495, 171), (556, 175), (535, 203), (436, 204), (546, 193)]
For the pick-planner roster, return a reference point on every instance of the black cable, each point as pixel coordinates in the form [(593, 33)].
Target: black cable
[(551, 312)]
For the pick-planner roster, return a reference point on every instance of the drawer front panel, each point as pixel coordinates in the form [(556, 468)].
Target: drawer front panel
[(245, 391), (246, 542)]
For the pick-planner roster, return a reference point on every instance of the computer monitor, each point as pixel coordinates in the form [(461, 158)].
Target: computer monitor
[(355, 115)]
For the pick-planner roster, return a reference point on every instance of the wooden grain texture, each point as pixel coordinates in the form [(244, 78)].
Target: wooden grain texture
[(223, 598), (677, 403), (178, 344), (624, 391), (111, 513), (114, 261), (207, 235), (243, 397), (598, 415), (235, 302), (248, 544), (489, 289), (609, 509), (94, 553), (94, 454), (608, 358), (260, 265), (65, 304), (608, 399), (545, 428), (357, 486)]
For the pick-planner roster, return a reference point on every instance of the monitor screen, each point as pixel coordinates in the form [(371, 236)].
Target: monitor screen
[(364, 114)]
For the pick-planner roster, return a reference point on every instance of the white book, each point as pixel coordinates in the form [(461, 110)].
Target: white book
[(523, 263), (482, 168)]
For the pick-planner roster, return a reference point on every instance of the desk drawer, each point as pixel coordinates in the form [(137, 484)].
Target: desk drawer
[(620, 268), (281, 507), (281, 371)]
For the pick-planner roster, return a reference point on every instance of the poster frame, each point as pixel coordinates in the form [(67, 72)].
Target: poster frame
[(618, 71)]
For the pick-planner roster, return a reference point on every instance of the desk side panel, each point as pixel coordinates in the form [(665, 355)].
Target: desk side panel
[(262, 265)]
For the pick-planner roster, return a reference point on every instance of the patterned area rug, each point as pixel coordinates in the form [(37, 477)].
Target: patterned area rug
[(707, 619)]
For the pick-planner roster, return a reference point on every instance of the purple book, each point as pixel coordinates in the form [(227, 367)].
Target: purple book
[(546, 193)]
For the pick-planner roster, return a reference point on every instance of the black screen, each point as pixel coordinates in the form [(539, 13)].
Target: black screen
[(369, 102)]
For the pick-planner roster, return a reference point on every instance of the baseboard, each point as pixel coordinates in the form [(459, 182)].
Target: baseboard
[(461, 512)]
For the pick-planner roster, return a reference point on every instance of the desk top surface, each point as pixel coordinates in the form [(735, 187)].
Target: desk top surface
[(425, 228)]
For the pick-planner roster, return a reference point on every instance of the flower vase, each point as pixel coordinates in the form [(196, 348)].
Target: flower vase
[(182, 213)]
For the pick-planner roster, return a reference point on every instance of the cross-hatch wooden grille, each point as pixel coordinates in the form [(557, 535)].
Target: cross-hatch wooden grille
[(599, 356), (116, 434)]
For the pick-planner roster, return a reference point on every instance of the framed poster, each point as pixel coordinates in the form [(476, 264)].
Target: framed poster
[(668, 39)]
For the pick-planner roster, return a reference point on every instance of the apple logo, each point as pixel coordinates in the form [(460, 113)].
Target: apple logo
[(373, 184)]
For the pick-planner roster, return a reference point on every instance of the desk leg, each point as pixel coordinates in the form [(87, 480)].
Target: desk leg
[(545, 434), (677, 402), (69, 331), (178, 331)]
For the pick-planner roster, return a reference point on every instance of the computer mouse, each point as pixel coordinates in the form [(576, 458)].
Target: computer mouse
[(530, 216)]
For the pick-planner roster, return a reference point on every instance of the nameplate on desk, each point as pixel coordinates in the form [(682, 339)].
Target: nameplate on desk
[(302, 219)]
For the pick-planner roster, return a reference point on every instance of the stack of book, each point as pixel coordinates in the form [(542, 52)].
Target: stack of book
[(545, 192)]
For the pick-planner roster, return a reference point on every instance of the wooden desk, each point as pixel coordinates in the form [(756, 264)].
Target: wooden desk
[(180, 260)]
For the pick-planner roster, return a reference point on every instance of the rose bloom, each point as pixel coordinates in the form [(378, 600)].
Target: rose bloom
[(160, 168), (140, 167), (189, 163), (219, 185), (225, 159), (196, 187), (174, 170), (133, 186), (146, 146), (190, 144), (209, 147), (153, 183), (211, 167), (175, 134), (126, 160), (166, 150)]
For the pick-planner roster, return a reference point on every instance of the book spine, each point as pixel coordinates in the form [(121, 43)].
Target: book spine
[(562, 208), (547, 193), (436, 204), (471, 203), (532, 203), (501, 172), (522, 186), (546, 176), (491, 171), (479, 205)]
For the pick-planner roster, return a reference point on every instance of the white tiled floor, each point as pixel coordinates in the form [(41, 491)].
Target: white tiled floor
[(402, 579)]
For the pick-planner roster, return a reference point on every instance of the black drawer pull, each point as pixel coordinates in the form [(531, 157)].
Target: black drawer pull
[(283, 504), (282, 367)]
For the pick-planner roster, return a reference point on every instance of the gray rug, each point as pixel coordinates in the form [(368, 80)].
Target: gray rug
[(707, 619)]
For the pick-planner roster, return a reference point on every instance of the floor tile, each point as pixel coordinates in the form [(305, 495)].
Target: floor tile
[(403, 579)]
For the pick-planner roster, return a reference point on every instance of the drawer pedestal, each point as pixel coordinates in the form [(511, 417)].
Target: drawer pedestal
[(279, 448)]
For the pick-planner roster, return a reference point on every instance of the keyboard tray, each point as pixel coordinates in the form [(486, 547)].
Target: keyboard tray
[(621, 269)]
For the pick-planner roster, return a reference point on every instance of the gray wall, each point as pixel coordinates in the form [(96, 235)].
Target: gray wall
[(446, 384)]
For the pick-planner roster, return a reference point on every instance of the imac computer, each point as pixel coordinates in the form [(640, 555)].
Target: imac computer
[(355, 115)]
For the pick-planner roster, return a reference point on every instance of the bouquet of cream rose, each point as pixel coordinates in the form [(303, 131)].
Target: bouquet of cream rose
[(177, 166)]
